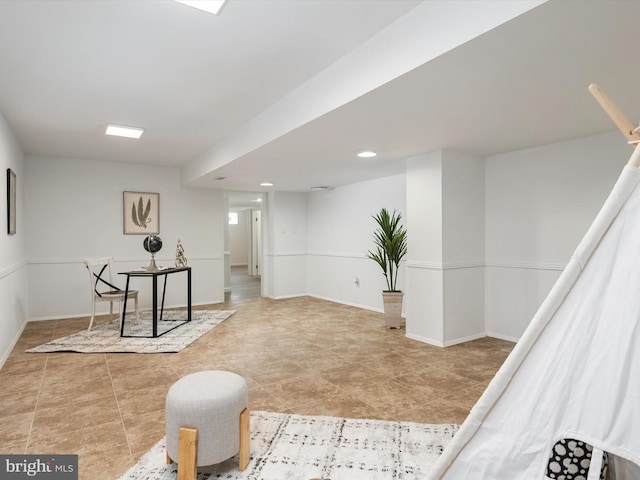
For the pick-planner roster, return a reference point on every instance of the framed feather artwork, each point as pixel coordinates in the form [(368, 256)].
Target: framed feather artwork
[(141, 213)]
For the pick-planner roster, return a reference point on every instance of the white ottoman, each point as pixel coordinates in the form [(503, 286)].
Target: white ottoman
[(207, 421)]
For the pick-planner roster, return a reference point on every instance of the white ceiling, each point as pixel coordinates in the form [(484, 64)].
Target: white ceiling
[(199, 82)]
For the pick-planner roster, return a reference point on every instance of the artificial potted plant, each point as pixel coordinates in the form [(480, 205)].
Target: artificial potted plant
[(390, 240)]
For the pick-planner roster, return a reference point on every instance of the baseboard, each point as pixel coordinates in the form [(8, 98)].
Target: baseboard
[(503, 337), (350, 304), (284, 297), (12, 345), (470, 338), (449, 343), (87, 315), (429, 341), (64, 317)]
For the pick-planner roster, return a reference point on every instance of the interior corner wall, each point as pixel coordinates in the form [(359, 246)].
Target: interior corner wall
[(14, 298), (340, 232), (287, 245), (463, 246), (445, 268), (74, 211), (539, 204), (424, 299)]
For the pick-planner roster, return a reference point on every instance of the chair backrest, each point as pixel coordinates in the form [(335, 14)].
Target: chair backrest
[(100, 275)]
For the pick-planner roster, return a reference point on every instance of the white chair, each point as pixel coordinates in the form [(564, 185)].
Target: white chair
[(102, 288)]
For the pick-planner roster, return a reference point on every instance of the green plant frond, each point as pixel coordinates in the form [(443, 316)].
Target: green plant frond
[(140, 211), (134, 216), (390, 239), (147, 210)]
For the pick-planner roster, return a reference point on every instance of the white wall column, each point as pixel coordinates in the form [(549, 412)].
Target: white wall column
[(445, 261), (287, 243), (424, 305)]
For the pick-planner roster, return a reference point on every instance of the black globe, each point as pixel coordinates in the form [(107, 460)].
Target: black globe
[(152, 244)]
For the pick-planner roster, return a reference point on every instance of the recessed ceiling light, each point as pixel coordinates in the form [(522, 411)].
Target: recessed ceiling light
[(266, 184), (367, 154), (257, 200), (124, 131), (211, 6)]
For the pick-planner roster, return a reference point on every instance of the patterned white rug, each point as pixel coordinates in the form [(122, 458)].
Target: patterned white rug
[(300, 447), (106, 338)]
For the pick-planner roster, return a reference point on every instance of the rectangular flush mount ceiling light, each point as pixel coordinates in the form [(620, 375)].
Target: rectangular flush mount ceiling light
[(211, 6), (124, 131)]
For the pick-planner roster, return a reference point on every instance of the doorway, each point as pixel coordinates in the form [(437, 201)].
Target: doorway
[(243, 246)]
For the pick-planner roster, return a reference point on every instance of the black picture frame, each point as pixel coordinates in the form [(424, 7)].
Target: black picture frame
[(11, 201)]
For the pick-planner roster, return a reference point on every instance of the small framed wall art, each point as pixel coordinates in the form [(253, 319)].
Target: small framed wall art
[(11, 202), (141, 213)]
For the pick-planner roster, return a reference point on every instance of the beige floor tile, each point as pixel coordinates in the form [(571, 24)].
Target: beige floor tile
[(76, 415), (144, 431), (142, 401), (300, 355), (15, 428)]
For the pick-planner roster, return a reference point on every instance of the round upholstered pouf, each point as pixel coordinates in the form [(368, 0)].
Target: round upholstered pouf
[(210, 401)]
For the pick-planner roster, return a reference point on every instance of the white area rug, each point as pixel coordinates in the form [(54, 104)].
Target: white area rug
[(300, 447), (106, 338)]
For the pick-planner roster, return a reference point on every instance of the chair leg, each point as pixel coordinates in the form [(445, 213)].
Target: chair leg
[(245, 437), (93, 314), (120, 313), (136, 305), (187, 453)]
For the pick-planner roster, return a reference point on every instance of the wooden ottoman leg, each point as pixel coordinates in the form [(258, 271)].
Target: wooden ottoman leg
[(169, 461), (187, 453), (245, 438)]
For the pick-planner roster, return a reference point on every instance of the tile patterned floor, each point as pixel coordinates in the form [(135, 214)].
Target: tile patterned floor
[(243, 285), (299, 355)]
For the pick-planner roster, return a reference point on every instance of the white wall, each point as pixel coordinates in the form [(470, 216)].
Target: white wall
[(539, 204), (14, 298), (445, 265), (239, 238), (340, 232), (425, 281), (287, 244), (75, 211), (463, 228)]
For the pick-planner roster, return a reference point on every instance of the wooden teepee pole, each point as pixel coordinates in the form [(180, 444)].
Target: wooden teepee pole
[(619, 118)]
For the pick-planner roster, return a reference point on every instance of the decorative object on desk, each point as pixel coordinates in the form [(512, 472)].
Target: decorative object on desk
[(152, 244), (302, 447), (105, 337), (390, 240), (181, 260), (11, 202), (141, 213)]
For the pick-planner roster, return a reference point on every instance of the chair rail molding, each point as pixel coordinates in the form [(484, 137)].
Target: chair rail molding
[(525, 265), (8, 270), (444, 266), (164, 258)]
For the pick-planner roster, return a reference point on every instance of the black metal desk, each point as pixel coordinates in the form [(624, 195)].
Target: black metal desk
[(154, 277)]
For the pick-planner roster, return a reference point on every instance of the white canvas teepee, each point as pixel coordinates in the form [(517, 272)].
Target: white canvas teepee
[(571, 386)]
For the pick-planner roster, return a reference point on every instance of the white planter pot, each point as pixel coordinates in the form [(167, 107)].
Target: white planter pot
[(392, 302)]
